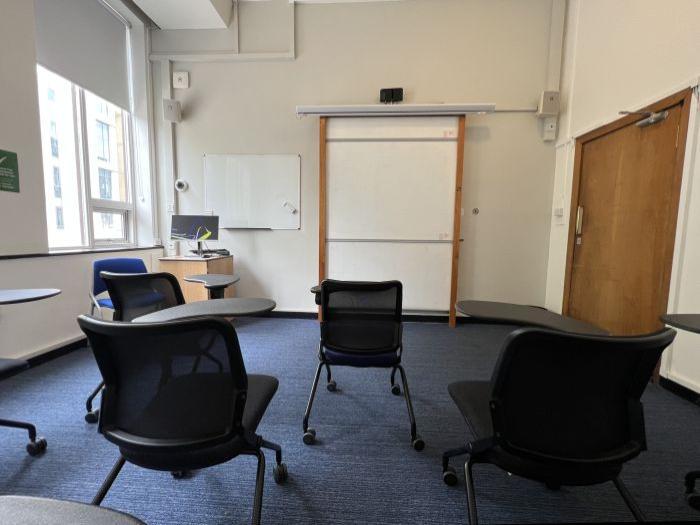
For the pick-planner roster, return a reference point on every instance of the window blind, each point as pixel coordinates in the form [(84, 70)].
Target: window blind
[(83, 42)]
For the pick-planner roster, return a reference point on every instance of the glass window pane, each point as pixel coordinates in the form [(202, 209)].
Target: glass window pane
[(61, 175), (107, 153), (108, 226)]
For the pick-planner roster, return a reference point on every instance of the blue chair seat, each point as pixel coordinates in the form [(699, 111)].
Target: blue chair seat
[(137, 301), (105, 302), (386, 359)]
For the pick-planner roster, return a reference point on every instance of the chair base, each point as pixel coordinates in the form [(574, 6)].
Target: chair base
[(36, 445), (471, 494), (309, 434), (93, 416), (280, 475)]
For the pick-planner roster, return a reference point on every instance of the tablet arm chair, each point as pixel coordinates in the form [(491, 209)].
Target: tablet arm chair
[(562, 409), (132, 295), (361, 327), (166, 414), (117, 265)]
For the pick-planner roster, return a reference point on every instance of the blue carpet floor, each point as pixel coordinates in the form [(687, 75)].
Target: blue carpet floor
[(362, 470)]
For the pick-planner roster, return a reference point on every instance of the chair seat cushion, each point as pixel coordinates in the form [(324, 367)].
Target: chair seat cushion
[(25, 510), (261, 390), (385, 359), (105, 302), (472, 398)]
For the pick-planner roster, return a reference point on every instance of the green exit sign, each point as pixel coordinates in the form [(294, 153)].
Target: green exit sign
[(9, 171)]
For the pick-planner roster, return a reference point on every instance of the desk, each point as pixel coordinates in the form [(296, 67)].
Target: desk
[(8, 366), (688, 322), (235, 307), (216, 283), (508, 313), (181, 267)]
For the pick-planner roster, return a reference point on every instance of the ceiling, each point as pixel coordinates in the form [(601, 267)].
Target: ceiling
[(206, 14), (188, 14)]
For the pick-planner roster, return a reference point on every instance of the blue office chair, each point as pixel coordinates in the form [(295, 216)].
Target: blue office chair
[(361, 327), (118, 265)]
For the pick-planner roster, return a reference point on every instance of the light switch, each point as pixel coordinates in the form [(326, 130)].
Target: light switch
[(181, 80)]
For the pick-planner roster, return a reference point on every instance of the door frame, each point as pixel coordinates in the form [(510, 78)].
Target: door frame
[(684, 97)]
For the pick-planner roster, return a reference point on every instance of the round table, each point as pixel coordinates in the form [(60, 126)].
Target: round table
[(216, 283), (26, 295), (233, 307), (16, 296)]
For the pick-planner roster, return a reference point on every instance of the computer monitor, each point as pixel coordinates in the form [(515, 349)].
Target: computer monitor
[(195, 228)]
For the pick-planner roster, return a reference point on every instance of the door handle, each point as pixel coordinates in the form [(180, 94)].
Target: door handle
[(579, 220)]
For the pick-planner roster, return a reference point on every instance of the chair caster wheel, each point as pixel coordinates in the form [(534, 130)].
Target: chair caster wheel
[(449, 476), (332, 386), (179, 474), (280, 473), (418, 444), (309, 437), (552, 485), (693, 500), (396, 390), (34, 448), (92, 417)]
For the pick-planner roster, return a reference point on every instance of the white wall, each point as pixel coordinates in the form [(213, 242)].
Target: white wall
[(438, 50), (33, 328), (623, 54), (29, 329), (23, 214)]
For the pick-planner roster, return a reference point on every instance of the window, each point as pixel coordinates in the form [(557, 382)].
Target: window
[(105, 183), (59, 217), (57, 182), (54, 140), (92, 175), (51, 95), (102, 140)]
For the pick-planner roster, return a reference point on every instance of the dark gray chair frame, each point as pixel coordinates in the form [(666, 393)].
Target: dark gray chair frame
[(503, 449), (109, 278), (99, 333), (329, 286)]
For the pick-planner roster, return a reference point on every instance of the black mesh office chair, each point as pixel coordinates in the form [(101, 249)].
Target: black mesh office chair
[(560, 408), (133, 295), (361, 327), (167, 408)]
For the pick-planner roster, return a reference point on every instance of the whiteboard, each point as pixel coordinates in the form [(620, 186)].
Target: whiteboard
[(253, 191), (391, 189), (423, 269), (390, 204)]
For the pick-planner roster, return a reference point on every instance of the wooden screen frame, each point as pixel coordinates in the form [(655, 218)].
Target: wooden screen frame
[(684, 97), (456, 223)]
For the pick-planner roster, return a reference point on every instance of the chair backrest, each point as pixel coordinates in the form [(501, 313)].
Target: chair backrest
[(138, 294), (361, 317), (574, 398), (168, 385), (119, 265)]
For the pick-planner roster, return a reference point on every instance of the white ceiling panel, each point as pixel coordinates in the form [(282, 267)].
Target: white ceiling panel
[(188, 14)]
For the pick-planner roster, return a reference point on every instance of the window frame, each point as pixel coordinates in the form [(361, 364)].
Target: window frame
[(89, 205), (94, 205)]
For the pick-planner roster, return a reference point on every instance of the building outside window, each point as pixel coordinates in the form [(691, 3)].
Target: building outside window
[(54, 140), (102, 140), (92, 177), (59, 217), (57, 182), (105, 183)]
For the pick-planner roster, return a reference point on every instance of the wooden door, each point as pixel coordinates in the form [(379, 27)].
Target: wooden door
[(623, 222)]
